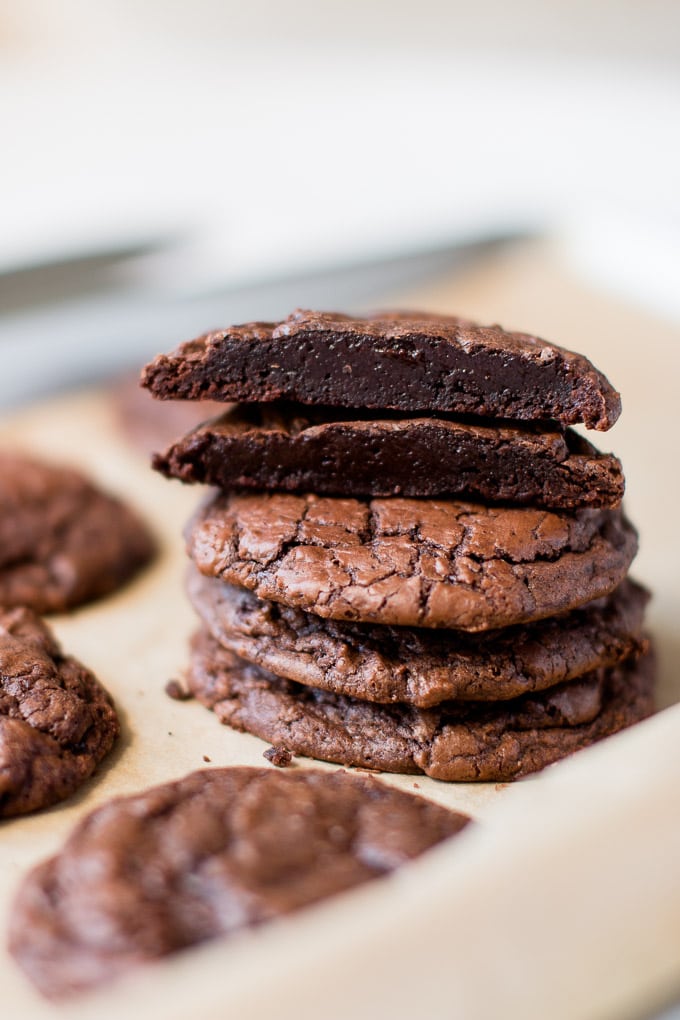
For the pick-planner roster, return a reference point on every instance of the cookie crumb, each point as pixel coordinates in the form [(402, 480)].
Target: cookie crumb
[(206, 758), (174, 690), (278, 755), (416, 786)]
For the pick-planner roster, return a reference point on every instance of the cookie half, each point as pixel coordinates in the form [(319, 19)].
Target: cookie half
[(296, 449), (402, 361), (56, 721), (63, 541), (415, 563), (219, 850), (456, 741), (419, 666)]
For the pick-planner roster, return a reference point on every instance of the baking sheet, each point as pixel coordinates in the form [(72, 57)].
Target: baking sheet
[(565, 901)]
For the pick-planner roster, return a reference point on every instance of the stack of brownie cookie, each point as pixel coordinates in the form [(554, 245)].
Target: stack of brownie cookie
[(412, 564)]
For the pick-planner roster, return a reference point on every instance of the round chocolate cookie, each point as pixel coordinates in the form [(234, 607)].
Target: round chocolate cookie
[(63, 541), (219, 850), (56, 721), (419, 666), (407, 562), (456, 741)]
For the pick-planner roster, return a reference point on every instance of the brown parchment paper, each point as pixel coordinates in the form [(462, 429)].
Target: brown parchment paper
[(563, 902)]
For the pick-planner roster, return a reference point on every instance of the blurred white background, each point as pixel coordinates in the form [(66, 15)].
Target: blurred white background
[(250, 142)]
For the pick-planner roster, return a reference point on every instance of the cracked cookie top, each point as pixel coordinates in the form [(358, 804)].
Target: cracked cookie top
[(404, 361), (416, 665), (454, 741), (63, 541), (409, 562), (56, 721)]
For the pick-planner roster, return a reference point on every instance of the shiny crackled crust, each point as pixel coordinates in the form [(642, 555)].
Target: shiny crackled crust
[(412, 563), (56, 721), (404, 361), (296, 449), (219, 850), (419, 666), (456, 741)]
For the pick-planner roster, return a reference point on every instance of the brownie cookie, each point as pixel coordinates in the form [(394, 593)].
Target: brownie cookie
[(420, 666), (412, 562), (456, 741), (405, 361), (62, 540), (298, 449), (56, 721), (219, 850), (149, 425)]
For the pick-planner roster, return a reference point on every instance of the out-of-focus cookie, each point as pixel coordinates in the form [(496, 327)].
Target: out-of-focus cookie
[(219, 850), (56, 720), (63, 541)]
